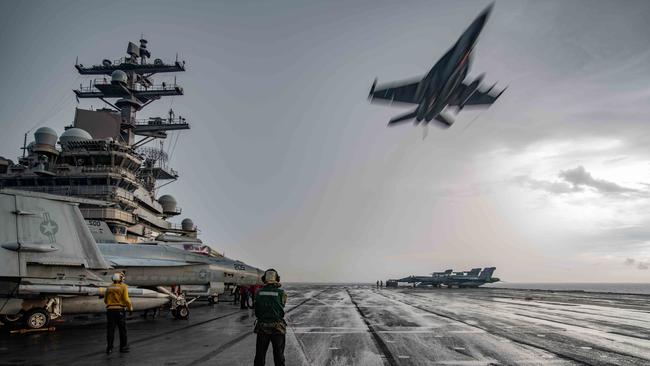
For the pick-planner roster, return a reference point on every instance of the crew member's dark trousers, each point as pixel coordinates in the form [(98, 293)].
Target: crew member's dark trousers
[(116, 318), (263, 340), (244, 301)]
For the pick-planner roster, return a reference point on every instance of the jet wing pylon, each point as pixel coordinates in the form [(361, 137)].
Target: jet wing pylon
[(400, 92), (144, 262)]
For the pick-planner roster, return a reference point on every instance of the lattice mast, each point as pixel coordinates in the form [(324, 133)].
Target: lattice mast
[(131, 83)]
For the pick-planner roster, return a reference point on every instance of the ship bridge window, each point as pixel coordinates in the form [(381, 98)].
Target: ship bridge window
[(98, 181)]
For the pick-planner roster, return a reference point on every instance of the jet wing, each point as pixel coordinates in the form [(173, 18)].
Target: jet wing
[(143, 262), (402, 92), (479, 97)]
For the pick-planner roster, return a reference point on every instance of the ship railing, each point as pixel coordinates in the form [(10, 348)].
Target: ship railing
[(164, 86), (154, 121), (179, 227), (114, 192), (107, 213), (108, 169), (124, 60)]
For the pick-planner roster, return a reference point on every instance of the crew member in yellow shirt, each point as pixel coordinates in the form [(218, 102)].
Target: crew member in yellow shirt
[(117, 303)]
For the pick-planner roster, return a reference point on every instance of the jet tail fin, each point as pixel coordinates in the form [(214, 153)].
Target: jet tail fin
[(402, 118), (486, 274)]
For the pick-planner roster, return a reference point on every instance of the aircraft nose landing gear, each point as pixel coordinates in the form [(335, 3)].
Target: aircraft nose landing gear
[(181, 312), (179, 304)]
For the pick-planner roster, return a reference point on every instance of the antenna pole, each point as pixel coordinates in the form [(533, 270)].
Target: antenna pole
[(25, 144)]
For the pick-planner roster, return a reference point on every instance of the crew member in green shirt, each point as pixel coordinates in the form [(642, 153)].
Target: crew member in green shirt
[(270, 325)]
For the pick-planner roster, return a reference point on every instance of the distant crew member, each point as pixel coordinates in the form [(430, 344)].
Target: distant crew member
[(254, 290), (381, 284), (243, 297), (377, 285), (236, 295), (270, 325), (117, 303)]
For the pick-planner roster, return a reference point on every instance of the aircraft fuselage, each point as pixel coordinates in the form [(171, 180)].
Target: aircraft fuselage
[(441, 84)]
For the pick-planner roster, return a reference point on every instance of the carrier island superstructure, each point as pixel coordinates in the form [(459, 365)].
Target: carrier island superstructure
[(102, 155), (113, 165)]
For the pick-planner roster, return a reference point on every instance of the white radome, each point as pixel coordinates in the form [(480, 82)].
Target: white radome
[(74, 134), (119, 77)]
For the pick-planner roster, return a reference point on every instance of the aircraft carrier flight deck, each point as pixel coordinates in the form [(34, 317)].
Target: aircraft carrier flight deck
[(361, 325)]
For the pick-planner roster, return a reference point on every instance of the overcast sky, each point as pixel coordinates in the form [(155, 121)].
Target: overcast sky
[(287, 165)]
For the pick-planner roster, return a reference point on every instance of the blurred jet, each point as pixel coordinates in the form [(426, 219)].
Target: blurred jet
[(443, 86)]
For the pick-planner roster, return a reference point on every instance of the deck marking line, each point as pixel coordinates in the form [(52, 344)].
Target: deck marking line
[(381, 345)]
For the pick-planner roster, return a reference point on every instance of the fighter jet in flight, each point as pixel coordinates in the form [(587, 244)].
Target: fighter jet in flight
[(443, 86)]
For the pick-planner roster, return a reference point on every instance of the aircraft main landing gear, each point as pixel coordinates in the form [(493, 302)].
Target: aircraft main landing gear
[(36, 318)]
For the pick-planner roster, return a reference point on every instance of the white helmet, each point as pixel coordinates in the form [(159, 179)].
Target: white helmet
[(117, 277)]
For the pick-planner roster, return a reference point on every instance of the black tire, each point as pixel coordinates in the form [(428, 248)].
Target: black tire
[(36, 318), (211, 300), (181, 312)]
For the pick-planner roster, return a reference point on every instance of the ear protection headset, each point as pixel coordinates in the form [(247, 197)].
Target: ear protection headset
[(272, 273)]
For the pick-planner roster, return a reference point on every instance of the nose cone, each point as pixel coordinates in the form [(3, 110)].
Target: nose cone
[(472, 32)]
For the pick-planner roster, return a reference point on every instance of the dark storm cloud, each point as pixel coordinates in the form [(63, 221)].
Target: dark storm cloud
[(580, 177), (573, 180)]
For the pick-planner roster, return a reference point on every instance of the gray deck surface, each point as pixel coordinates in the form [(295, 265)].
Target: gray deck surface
[(359, 325)]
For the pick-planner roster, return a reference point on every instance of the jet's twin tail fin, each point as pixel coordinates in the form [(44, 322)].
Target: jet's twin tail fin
[(487, 272)]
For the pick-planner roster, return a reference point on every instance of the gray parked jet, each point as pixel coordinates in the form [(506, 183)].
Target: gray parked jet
[(49, 262), (443, 86), (473, 278), (155, 265)]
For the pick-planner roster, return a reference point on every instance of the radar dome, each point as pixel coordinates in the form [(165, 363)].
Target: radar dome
[(168, 203), (187, 224), (45, 136), (74, 134), (118, 77)]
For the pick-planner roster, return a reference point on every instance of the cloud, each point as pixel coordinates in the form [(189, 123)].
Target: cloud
[(639, 264), (572, 181), (580, 177), (548, 186)]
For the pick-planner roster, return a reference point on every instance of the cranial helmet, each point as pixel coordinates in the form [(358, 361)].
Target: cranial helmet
[(117, 277), (270, 276)]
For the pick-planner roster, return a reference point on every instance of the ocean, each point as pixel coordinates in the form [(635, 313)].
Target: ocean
[(622, 288)]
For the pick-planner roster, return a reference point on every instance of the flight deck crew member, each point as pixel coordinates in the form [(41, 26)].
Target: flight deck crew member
[(243, 297), (270, 325), (117, 303)]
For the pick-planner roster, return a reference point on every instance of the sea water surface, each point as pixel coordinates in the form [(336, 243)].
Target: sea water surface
[(622, 288)]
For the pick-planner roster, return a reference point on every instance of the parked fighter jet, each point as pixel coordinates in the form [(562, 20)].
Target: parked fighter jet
[(443, 86), (49, 262), (155, 265), (473, 278)]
